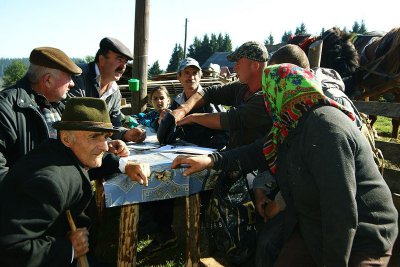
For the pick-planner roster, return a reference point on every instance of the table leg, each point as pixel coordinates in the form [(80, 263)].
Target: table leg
[(99, 199), (192, 230), (128, 226)]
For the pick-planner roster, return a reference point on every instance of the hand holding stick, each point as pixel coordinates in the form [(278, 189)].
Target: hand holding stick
[(82, 260)]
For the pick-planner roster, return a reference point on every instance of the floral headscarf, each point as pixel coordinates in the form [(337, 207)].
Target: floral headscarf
[(289, 92)]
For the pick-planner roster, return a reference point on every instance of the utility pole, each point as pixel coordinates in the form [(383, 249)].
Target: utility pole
[(184, 46), (139, 69)]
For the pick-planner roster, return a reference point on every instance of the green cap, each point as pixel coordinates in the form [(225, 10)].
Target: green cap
[(252, 50), (85, 114)]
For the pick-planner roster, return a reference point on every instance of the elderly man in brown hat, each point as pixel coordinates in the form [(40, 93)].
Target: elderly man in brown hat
[(99, 80), (50, 181), (30, 107), (246, 121)]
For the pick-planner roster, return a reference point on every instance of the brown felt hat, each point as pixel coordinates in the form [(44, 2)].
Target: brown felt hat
[(116, 46), (85, 114), (54, 58)]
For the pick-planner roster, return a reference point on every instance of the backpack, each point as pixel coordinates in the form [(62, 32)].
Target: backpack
[(232, 219)]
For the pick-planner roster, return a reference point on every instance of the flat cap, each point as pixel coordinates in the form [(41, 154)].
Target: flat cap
[(116, 46), (252, 50), (188, 62), (53, 58)]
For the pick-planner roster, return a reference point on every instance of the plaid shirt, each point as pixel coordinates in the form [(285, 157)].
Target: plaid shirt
[(49, 113)]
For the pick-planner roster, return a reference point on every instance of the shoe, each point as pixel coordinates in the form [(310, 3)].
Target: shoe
[(162, 240)]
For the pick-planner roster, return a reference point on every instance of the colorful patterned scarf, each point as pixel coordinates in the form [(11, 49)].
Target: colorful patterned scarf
[(289, 92)]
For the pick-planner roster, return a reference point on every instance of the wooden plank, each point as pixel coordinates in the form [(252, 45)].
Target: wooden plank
[(192, 230), (390, 151), (314, 53), (210, 262), (386, 109), (128, 232)]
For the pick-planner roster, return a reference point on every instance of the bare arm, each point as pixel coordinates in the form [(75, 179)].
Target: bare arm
[(209, 120), (194, 101)]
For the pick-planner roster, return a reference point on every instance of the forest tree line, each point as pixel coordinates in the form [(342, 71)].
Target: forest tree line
[(12, 69)]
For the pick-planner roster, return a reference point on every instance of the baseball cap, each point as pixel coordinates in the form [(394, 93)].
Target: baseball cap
[(188, 62)]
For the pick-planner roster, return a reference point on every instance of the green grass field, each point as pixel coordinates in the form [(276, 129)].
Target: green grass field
[(383, 127)]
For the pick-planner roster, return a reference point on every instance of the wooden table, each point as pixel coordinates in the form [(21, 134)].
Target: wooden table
[(162, 178)]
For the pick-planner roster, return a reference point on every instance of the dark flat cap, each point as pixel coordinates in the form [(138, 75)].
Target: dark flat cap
[(85, 114), (252, 50), (116, 46), (53, 58)]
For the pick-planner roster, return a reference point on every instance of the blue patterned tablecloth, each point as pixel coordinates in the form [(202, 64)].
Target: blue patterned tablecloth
[(164, 182)]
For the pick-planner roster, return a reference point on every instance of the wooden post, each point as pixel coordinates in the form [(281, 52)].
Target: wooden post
[(192, 230), (127, 245), (184, 44), (314, 53), (139, 68)]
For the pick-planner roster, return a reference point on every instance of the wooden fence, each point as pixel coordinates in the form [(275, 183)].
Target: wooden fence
[(390, 150)]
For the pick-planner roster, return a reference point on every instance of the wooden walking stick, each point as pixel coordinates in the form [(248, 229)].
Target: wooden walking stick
[(82, 260)]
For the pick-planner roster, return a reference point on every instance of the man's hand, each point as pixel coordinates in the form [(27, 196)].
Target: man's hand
[(266, 207), (135, 135), (138, 172), (80, 241), (118, 147), (179, 114), (261, 200), (192, 163)]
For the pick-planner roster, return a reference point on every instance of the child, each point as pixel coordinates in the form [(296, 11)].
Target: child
[(160, 100)]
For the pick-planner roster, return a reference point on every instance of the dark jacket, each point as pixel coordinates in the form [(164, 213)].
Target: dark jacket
[(34, 197), (198, 134), (247, 119), (333, 189), (22, 126), (86, 85), (247, 158)]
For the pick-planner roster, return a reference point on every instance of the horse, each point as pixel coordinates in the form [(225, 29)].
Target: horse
[(369, 64)]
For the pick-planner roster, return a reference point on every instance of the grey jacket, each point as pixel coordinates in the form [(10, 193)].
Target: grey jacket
[(333, 189)]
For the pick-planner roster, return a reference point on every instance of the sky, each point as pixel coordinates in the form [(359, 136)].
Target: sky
[(77, 26)]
